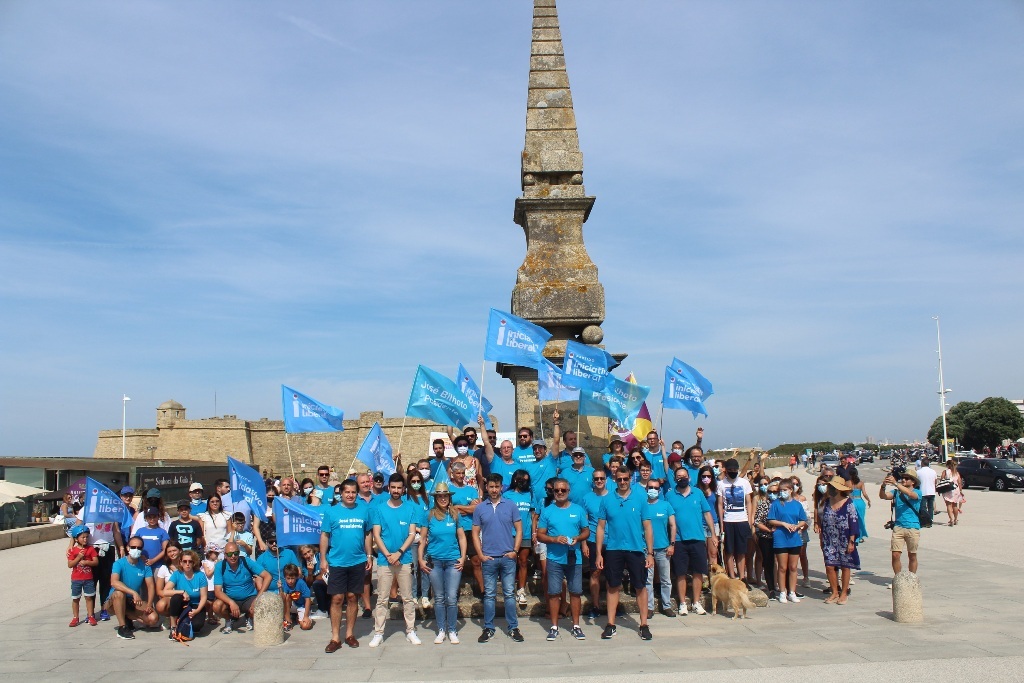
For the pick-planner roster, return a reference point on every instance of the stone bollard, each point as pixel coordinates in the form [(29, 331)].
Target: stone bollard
[(268, 620), (906, 599)]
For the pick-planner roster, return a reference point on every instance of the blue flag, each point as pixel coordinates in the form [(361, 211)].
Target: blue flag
[(552, 385), (103, 505), (440, 476), (435, 397), (618, 400), (304, 414), (515, 341), (296, 524), (376, 452), (472, 392), (586, 366), (246, 481), (685, 388)]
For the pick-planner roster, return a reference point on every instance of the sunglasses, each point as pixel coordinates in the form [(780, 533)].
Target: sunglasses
[(561, 490), (600, 478), (135, 547), (621, 479), (234, 554)]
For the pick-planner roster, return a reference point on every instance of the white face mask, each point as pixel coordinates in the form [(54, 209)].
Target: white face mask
[(462, 450), (425, 473), (308, 490), (135, 553), (677, 451)]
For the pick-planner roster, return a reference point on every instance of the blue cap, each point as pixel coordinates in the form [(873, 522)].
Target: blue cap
[(79, 530), (127, 490)]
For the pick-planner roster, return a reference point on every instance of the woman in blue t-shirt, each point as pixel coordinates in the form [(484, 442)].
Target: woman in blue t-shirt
[(442, 555), (709, 487), (417, 495), (187, 586), (787, 518)]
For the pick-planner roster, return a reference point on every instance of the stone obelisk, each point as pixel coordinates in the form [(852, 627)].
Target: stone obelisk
[(557, 285)]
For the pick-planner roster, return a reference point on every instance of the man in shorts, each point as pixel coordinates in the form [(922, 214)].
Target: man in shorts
[(736, 510), (562, 527), (237, 582), (132, 591), (345, 543), (592, 504), (906, 534), (625, 543), (690, 557)]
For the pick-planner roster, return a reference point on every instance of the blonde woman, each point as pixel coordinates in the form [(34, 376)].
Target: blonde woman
[(442, 555), (955, 498)]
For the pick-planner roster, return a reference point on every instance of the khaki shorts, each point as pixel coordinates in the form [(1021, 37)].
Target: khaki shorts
[(905, 539)]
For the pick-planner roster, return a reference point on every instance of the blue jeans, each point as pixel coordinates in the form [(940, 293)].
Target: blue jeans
[(444, 579), (420, 580), (507, 568), (661, 561)]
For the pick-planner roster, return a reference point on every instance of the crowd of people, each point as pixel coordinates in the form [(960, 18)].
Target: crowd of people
[(649, 521)]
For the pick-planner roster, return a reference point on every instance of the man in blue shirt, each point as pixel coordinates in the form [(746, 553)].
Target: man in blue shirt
[(345, 531), (523, 451), (579, 475), (196, 499), (132, 591), (275, 559), (625, 543), (690, 555), (394, 532), (323, 478), (592, 504), (563, 528), (654, 453), (438, 461), (563, 458), (237, 582), (906, 534), (663, 528), (497, 537)]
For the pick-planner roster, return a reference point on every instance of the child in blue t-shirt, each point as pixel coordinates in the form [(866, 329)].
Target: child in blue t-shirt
[(296, 597)]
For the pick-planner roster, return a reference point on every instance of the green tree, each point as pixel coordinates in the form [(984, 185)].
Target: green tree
[(991, 421), (954, 423)]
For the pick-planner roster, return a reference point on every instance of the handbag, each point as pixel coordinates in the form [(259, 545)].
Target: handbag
[(944, 486)]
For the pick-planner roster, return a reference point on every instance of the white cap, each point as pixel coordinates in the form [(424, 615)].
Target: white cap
[(195, 487)]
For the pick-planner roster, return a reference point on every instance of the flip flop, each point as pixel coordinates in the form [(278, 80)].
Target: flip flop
[(841, 601), (831, 600)]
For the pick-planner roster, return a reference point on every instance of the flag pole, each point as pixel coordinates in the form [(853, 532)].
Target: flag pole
[(540, 408), (401, 435), (480, 398), (289, 447)]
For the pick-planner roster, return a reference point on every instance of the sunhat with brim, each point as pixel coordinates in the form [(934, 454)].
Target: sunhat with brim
[(839, 484), (441, 489), (912, 473)]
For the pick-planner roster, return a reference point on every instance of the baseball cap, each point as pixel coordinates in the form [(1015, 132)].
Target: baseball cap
[(153, 493), (378, 477), (127, 491), (184, 504), (152, 512), (675, 457), (539, 442), (195, 487)]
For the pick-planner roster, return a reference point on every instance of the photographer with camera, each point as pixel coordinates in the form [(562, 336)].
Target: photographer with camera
[(903, 487)]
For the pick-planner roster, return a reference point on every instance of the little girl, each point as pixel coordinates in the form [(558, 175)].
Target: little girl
[(82, 557)]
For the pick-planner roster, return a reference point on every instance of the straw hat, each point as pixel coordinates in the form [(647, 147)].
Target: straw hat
[(839, 484)]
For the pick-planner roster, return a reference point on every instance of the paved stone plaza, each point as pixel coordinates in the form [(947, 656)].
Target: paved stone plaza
[(973, 628)]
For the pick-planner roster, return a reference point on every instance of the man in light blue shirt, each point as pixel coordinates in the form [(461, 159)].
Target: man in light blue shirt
[(394, 532), (563, 528)]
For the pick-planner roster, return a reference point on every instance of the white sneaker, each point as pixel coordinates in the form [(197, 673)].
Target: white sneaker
[(440, 638), (425, 602), (413, 638), (782, 597), (699, 609), (319, 615), (377, 639), (521, 597), (453, 637), (792, 597)]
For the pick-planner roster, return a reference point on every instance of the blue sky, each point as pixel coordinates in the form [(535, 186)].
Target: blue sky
[(223, 197)]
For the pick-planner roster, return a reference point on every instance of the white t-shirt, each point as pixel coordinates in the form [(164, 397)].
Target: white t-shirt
[(927, 476), (734, 498)]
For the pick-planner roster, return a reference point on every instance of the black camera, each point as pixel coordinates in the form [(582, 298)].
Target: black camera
[(897, 467), (890, 524)]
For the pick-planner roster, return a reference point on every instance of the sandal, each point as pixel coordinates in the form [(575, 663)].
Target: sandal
[(841, 601), (831, 600)]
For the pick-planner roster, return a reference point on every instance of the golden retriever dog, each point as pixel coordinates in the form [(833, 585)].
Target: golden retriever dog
[(731, 592)]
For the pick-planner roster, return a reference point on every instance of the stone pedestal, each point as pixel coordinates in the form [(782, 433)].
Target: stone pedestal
[(906, 599), (268, 620)]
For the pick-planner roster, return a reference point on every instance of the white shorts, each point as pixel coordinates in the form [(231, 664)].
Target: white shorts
[(541, 549)]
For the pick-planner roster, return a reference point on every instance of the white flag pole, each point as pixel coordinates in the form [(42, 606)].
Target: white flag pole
[(401, 435), (289, 447), (480, 398)]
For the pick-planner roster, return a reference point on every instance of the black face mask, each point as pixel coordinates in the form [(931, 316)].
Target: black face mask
[(682, 483), (732, 475), (524, 485)]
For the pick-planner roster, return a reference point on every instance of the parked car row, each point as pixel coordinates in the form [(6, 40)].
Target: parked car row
[(995, 473)]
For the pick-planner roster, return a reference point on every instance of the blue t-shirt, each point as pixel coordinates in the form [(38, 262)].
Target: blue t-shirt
[(580, 483), (523, 455), (712, 499), (790, 512), (540, 471), (907, 510), (623, 521), (442, 538), (657, 461), (153, 541), (237, 583), (689, 511), (694, 473), (563, 461), (660, 513), (194, 585), (464, 495), (421, 507), (347, 528), (197, 506), (302, 589), (249, 539), (523, 501), (270, 563), (506, 470), (497, 526), (568, 521), (132, 575), (435, 465), (592, 504), (395, 525)]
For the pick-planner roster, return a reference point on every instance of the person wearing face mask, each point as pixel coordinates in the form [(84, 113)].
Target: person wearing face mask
[(765, 535), (805, 536), (465, 456), (416, 495), (707, 485), (132, 591), (787, 518), (692, 515), (663, 526), (736, 510), (521, 494), (761, 563)]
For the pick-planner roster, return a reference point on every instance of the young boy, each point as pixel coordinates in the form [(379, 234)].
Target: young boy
[(155, 539), (296, 594), (82, 557), (245, 539)]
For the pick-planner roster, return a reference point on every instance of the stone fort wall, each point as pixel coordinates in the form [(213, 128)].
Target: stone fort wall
[(261, 443)]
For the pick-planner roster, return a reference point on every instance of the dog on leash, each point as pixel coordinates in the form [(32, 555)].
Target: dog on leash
[(731, 592)]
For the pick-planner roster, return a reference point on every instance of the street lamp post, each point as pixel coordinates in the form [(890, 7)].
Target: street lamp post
[(124, 416), (942, 393)]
